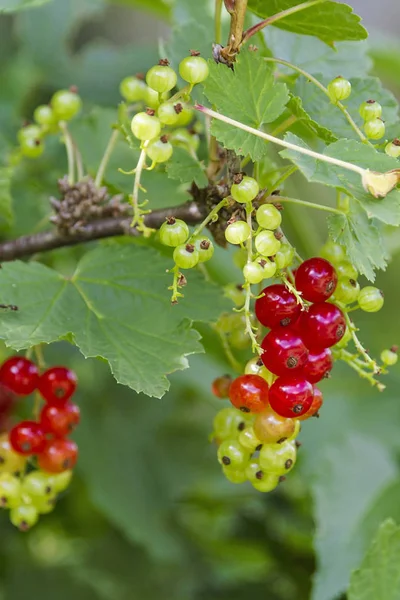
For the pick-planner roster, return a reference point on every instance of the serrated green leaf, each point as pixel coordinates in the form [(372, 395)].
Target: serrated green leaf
[(362, 239), (247, 94), (350, 59), (321, 110), (329, 21), (185, 168), (385, 209), (10, 6), (378, 578), (117, 306), (295, 105), (6, 212)]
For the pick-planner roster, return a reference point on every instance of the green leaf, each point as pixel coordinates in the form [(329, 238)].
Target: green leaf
[(156, 6), (385, 209), (116, 306), (247, 94), (378, 578), (350, 59), (329, 21), (327, 115), (184, 167), (10, 6), (6, 213), (295, 105), (362, 239)]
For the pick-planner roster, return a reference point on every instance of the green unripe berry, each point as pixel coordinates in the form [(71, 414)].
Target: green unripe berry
[(159, 150), (345, 339), (133, 89), (268, 216), (37, 485), (205, 248), (339, 89), (194, 69), (161, 78), (152, 98), (228, 322), (253, 367), (186, 256), (370, 110), (29, 132), (24, 516), (347, 290), (389, 357), (238, 476), (333, 252), (266, 243), (145, 126), (10, 490), (248, 439), (183, 139), (346, 269), (245, 190), (173, 232), (235, 293), (32, 147), (278, 458), (393, 148), (284, 257), (374, 129), (44, 506), (253, 272), (232, 454), (370, 299), (228, 423), (268, 266), (237, 232), (253, 471), (185, 116), (239, 339), (267, 484), (168, 113), (65, 104), (60, 481), (44, 116)]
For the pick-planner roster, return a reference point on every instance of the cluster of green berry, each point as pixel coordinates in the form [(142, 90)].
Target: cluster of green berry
[(189, 250), (151, 126), (63, 106)]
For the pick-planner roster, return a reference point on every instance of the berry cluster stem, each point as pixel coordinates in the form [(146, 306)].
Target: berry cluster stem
[(138, 213), (212, 216), (248, 295), (310, 205), (360, 348), (69, 146), (175, 285), (106, 157), (359, 367)]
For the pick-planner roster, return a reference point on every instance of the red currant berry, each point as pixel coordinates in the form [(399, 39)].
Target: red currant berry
[(249, 393), (60, 420), (315, 405), (291, 396), (316, 279), (27, 438), (277, 307), (283, 351), (57, 385), (20, 375), (318, 366), (58, 455), (322, 326), (220, 386)]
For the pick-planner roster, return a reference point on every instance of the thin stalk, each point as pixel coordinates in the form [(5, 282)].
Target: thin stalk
[(348, 358), (210, 217), (235, 364), (79, 163), (281, 15), (270, 138), (69, 146), (106, 157), (360, 348), (137, 220), (175, 285), (248, 295), (283, 178), (309, 204), (323, 89), (218, 21)]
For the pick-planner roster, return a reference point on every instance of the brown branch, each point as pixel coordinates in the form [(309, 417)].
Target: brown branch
[(191, 212), (237, 10)]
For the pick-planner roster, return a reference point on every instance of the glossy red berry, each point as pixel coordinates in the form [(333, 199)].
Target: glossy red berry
[(27, 438), (20, 375), (220, 386), (316, 279), (283, 351), (291, 396), (60, 420), (277, 307), (318, 365), (315, 405), (322, 326), (58, 455), (249, 393), (57, 385)]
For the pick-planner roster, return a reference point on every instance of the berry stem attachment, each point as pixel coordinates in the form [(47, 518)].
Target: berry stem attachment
[(248, 295), (138, 213), (106, 157), (212, 216), (69, 146), (360, 348), (292, 288), (310, 205), (175, 285), (323, 89), (351, 360)]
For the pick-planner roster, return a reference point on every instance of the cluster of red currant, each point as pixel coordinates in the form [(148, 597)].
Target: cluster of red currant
[(36, 456)]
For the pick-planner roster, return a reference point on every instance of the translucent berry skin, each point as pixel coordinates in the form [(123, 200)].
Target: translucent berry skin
[(271, 428), (322, 326), (60, 421), (24, 516), (60, 481), (283, 351), (32, 148), (186, 256), (248, 439), (374, 129), (267, 484), (145, 127), (266, 243), (10, 491), (27, 437), (57, 385), (232, 454), (347, 290), (291, 396), (253, 272), (316, 279), (254, 472), (246, 190), (278, 460), (161, 78), (345, 269), (193, 69), (315, 405), (58, 455), (174, 233), (205, 248), (132, 89), (370, 110), (10, 461), (234, 476), (159, 151), (237, 232), (284, 256), (339, 89), (389, 357), (167, 114), (268, 216), (256, 367), (393, 149), (220, 386), (333, 252), (29, 132), (277, 307), (249, 393), (318, 365), (65, 104), (19, 375), (370, 299), (228, 423), (44, 115)]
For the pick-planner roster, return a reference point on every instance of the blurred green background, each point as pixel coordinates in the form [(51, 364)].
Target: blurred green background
[(149, 515)]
